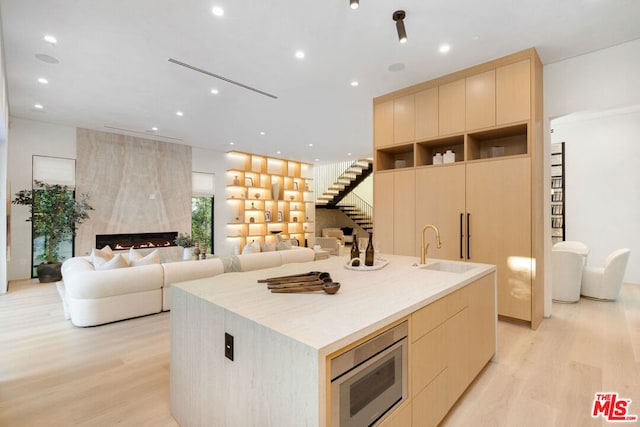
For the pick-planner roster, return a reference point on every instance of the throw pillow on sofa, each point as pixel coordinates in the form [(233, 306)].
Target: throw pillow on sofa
[(117, 261), (252, 248), (136, 258), (101, 256)]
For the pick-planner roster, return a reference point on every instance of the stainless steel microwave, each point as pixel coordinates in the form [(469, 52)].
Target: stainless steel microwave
[(370, 380)]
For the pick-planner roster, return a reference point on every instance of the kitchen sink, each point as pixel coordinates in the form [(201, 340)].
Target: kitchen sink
[(449, 266)]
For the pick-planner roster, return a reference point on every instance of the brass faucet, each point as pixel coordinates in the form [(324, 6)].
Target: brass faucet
[(423, 248)]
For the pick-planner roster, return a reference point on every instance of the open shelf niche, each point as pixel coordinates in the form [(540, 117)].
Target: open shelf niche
[(269, 196)]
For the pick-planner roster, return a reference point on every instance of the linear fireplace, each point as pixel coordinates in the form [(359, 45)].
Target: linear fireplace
[(136, 240)]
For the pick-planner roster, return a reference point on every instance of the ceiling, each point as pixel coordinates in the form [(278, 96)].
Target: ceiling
[(114, 70)]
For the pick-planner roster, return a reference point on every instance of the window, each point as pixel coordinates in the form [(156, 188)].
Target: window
[(202, 204)]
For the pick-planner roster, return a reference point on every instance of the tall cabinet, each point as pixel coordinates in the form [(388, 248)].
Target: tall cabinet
[(488, 200)]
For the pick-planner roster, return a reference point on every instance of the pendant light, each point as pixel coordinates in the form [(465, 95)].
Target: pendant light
[(354, 4), (398, 16)]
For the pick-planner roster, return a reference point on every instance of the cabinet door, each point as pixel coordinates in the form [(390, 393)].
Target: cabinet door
[(513, 92), (430, 406), (440, 200), (427, 114), (451, 107), (383, 124), (404, 216), (482, 323), (481, 100), (404, 119), (400, 417), (457, 343), (383, 208), (499, 208)]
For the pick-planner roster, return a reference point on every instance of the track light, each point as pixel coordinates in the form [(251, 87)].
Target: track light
[(398, 16), (354, 4)]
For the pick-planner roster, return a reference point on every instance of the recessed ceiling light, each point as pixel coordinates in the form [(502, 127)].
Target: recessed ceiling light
[(278, 152), (354, 83), (262, 133), (38, 106), (215, 91), (444, 48), (317, 160), (47, 58), (299, 54), (155, 129), (349, 154), (179, 113), (50, 39), (217, 11), (43, 80), (232, 143), (354, 4)]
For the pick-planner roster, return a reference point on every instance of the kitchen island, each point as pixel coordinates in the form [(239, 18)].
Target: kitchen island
[(283, 343)]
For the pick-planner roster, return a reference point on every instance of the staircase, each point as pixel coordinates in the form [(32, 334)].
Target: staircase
[(339, 194), (347, 181)]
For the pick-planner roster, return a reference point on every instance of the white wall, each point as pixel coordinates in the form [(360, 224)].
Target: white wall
[(28, 138), (602, 175), (210, 161), (597, 81), (4, 154)]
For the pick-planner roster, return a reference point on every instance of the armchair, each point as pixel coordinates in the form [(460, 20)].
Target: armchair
[(603, 283)]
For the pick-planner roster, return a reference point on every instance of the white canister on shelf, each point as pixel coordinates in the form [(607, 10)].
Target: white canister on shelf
[(437, 159), (449, 157)]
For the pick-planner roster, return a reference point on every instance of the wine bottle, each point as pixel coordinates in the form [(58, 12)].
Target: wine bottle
[(355, 252), (369, 254)]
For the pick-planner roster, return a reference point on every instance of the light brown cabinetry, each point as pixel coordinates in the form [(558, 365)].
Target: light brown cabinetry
[(426, 114), (513, 92), (440, 200), (383, 124), (451, 107), (489, 116), (269, 196), (404, 119), (499, 205), (444, 358), (481, 100), (394, 208)]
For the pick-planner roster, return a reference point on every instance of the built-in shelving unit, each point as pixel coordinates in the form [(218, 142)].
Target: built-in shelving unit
[(557, 192), (269, 196)]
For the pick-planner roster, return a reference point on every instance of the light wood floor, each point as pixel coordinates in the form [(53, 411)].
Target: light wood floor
[(53, 374)]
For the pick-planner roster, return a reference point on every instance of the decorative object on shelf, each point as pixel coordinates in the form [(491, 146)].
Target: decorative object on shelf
[(295, 185), (252, 206), (291, 198), (267, 216), (55, 215), (275, 191), (276, 231), (280, 216), (257, 195), (236, 181), (295, 219), (306, 186), (237, 219), (449, 157), (496, 151), (248, 182), (369, 253), (252, 220), (437, 159)]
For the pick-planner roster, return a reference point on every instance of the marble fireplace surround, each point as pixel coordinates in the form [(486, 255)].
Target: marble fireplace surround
[(136, 185)]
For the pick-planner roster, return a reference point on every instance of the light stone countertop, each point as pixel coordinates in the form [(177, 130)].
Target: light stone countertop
[(366, 301)]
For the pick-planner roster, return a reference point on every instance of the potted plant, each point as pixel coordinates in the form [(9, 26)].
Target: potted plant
[(55, 215), (186, 242)]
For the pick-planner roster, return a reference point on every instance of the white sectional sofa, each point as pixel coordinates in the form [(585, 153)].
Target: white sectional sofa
[(94, 297)]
